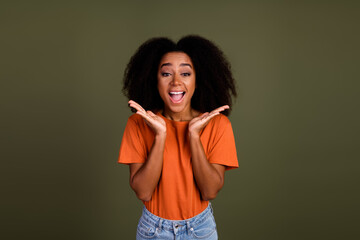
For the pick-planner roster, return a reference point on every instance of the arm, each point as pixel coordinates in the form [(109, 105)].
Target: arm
[(209, 177), (144, 177)]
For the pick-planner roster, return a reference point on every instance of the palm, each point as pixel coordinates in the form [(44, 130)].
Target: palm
[(198, 123), (156, 123)]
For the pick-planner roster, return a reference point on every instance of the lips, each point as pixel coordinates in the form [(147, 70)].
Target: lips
[(176, 96)]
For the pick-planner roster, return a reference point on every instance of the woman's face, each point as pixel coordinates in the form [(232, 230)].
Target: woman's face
[(176, 82)]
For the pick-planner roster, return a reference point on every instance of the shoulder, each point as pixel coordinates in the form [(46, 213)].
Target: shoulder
[(137, 125), (218, 124), (220, 120), (136, 119)]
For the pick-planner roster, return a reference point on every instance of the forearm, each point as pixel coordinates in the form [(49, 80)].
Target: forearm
[(208, 178), (146, 178)]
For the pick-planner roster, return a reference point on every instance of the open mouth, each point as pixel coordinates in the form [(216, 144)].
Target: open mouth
[(176, 97)]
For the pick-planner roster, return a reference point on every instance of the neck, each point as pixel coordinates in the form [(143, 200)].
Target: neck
[(180, 116)]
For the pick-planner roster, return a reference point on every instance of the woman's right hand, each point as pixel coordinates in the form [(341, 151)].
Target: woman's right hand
[(156, 123)]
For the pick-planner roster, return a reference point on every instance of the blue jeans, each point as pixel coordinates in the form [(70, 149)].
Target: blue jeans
[(202, 226)]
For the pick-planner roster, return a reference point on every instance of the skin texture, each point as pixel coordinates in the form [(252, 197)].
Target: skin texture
[(176, 73)]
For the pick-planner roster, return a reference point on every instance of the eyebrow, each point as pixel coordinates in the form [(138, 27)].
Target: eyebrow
[(182, 65)]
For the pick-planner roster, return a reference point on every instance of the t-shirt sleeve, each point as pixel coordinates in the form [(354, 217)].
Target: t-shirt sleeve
[(132, 149), (223, 149)]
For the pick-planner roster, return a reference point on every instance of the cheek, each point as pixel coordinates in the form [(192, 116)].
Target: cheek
[(159, 85), (192, 84), (161, 89)]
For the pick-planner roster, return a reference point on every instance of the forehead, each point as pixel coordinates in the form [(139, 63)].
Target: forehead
[(175, 58)]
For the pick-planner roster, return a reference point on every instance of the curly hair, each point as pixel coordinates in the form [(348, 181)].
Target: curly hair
[(215, 84)]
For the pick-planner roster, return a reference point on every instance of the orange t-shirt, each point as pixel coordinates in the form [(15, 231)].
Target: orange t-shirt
[(177, 197)]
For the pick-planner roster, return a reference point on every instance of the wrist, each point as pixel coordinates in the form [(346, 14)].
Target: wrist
[(160, 135), (194, 135)]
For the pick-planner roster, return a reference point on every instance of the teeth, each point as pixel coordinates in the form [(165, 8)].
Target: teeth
[(176, 92)]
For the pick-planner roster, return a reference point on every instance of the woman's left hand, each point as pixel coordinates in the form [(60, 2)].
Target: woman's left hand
[(198, 123)]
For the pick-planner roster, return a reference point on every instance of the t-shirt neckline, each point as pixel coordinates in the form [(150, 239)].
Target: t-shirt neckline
[(172, 121)]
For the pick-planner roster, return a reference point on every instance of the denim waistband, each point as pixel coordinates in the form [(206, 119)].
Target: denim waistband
[(163, 223)]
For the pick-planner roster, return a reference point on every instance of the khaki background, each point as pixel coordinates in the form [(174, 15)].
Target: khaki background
[(296, 120)]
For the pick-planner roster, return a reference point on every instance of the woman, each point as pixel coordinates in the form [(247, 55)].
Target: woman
[(180, 142)]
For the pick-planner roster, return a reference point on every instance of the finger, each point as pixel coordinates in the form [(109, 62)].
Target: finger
[(222, 108), (204, 115), (151, 113), (210, 116), (136, 106), (207, 119), (144, 115)]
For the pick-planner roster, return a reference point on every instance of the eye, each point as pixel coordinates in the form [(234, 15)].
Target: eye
[(186, 74), (164, 74)]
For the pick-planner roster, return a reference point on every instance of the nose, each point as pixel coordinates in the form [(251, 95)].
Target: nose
[(176, 80)]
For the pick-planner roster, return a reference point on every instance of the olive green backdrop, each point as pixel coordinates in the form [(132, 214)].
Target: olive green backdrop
[(296, 120)]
